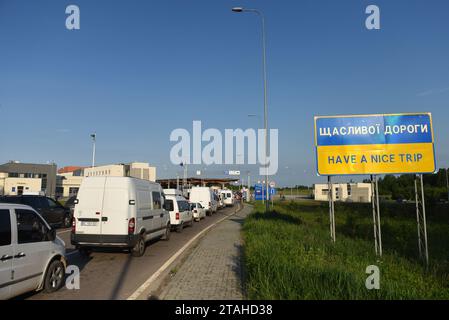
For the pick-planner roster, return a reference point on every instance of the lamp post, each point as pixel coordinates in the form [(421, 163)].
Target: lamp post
[(264, 54), (94, 138)]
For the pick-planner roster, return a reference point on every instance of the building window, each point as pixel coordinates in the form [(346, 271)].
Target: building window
[(73, 191)]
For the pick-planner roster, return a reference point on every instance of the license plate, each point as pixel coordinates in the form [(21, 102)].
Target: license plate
[(88, 223)]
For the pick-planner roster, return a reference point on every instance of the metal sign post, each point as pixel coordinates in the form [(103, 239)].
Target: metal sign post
[(421, 218), (331, 208), (376, 215)]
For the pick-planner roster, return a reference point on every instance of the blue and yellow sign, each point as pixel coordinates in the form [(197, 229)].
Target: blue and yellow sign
[(375, 144)]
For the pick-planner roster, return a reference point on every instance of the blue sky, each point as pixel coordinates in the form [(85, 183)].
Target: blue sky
[(139, 69)]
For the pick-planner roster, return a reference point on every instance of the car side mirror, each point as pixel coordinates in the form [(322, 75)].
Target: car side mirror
[(51, 234)]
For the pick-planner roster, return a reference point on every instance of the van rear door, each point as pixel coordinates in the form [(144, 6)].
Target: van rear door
[(89, 208), (116, 210)]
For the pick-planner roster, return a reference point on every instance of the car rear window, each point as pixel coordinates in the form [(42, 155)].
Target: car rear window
[(5, 228), (169, 205), (183, 206)]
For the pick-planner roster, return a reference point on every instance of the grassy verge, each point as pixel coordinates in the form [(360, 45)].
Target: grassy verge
[(289, 255)]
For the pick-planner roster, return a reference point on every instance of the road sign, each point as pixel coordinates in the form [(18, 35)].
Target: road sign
[(260, 192), (375, 144), (272, 184)]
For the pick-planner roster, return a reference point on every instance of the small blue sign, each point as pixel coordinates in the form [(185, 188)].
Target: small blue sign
[(260, 192)]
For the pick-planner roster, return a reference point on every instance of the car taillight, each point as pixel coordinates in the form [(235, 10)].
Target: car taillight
[(177, 215), (131, 226), (73, 225)]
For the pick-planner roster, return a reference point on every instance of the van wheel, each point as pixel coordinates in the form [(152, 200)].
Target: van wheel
[(139, 248), (180, 227), (166, 235), (54, 278)]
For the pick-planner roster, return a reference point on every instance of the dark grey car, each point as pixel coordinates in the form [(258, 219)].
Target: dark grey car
[(51, 210)]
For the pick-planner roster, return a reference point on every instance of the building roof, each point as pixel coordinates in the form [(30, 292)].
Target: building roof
[(69, 169), (196, 181)]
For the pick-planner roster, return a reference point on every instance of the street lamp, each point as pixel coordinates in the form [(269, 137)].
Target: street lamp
[(94, 137), (264, 54)]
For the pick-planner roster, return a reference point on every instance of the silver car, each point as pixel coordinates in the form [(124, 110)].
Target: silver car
[(32, 256)]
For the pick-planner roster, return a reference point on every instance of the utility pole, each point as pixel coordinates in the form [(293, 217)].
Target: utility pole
[(265, 92), (94, 138)]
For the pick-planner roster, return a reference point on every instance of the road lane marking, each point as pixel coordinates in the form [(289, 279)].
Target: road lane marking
[(63, 231), (155, 275)]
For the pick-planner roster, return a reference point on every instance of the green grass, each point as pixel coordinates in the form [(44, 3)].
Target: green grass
[(289, 255)]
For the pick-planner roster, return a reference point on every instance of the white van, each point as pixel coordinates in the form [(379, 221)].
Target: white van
[(228, 197), (119, 212), (179, 208), (220, 199), (31, 255), (206, 197)]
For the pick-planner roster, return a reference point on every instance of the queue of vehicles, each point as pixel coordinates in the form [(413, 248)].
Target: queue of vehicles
[(112, 212)]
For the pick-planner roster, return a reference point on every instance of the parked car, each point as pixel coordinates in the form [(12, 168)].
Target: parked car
[(206, 197), (119, 212), (179, 208), (228, 197), (198, 211), (32, 257), (51, 210)]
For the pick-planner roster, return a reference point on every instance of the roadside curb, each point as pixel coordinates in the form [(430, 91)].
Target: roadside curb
[(151, 288)]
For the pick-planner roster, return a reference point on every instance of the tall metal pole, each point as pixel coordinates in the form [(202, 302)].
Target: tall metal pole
[(421, 219), (426, 250), (94, 138), (373, 203), (265, 89), (331, 208), (378, 217)]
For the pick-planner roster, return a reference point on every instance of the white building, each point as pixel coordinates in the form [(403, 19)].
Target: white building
[(140, 170), (16, 186), (345, 192), (69, 181)]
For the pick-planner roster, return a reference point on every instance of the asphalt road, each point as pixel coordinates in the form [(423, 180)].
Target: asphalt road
[(109, 274)]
